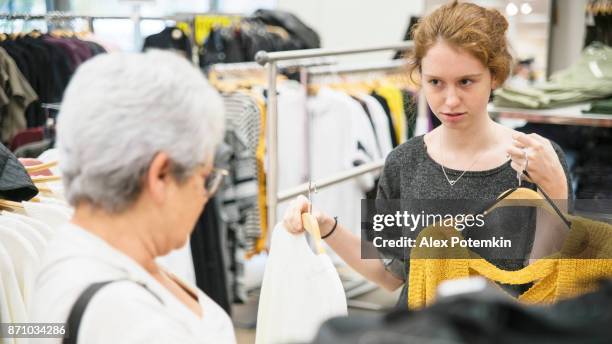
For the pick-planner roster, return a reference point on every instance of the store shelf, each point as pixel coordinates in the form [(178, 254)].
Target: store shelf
[(571, 115)]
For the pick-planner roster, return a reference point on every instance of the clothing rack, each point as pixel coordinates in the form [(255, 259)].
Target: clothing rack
[(271, 59), (356, 287), (63, 16), (360, 68)]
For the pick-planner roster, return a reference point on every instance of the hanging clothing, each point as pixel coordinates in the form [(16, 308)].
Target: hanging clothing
[(300, 291), (394, 98), (583, 261), (264, 30), (15, 183), (16, 95), (208, 259), (383, 102), (411, 111), (239, 195), (342, 138), (12, 306), (45, 230), (25, 260), (137, 316), (381, 124), (171, 38), (242, 188), (292, 139), (47, 63), (260, 154)]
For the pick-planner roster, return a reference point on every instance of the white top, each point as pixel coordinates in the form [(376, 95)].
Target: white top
[(340, 128), (53, 215), (40, 226), (24, 257), (300, 291), (12, 308), (122, 312), (381, 124)]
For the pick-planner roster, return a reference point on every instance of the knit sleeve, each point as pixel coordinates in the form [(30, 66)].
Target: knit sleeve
[(388, 188)]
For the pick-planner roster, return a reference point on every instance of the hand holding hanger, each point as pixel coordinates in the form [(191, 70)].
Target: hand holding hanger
[(295, 223), (536, 155)]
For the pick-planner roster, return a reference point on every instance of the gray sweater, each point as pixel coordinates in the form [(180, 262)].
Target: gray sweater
[(411, 174)]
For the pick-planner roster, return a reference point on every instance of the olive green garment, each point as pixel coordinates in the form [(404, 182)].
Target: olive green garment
[(16, 95)]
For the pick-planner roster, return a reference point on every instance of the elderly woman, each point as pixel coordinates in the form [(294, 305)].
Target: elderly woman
[(137, 134)]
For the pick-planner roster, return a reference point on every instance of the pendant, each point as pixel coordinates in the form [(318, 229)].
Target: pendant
[(452, 182)]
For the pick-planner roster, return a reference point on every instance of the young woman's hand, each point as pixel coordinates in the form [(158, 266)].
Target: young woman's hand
[(536, 155), (292, 219)]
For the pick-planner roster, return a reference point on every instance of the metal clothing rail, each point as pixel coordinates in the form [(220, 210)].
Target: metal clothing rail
[(271, 59), (323, 70), (335, 179)]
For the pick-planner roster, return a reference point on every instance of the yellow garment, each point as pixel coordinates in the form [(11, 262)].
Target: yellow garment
[(395, 100), (203, 24), (260, 244), (582, 261)]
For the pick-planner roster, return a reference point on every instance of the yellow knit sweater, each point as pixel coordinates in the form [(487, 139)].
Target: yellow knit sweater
[(583, 259)]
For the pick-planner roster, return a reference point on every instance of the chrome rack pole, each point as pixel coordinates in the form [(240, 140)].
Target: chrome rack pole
[(332, 180), (263, 58), (272, 125)]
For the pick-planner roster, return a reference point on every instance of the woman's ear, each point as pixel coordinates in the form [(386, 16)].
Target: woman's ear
[(494, 83), (158, 176)]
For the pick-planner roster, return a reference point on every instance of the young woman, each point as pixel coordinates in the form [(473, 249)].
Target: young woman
[(460, 56)]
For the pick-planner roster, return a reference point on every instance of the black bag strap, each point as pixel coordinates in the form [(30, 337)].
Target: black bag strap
[(78, 309)]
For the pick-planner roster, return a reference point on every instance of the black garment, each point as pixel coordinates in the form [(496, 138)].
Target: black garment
[(600, 30), (48, 68), (410, 111), (208, 260), (482, 317), (306, 37), (367, 112), (170, 38), (222, 46), (407, 37), (15, 183), (385, 106)]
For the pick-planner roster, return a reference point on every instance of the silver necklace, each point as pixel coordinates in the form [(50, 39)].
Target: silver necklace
[(450, 181)]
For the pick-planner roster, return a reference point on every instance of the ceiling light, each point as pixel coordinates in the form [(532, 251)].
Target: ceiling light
[(526, 8), (511, 9)]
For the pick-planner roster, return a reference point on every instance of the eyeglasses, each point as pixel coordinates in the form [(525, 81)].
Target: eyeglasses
[(214, 179)]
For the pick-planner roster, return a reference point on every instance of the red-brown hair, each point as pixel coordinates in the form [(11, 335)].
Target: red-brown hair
[(477, 30)]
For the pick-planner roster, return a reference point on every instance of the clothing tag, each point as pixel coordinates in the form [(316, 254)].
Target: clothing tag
[(596, 70), (177, 34)]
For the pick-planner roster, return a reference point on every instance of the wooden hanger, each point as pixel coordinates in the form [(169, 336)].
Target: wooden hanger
[(44, 179), (312, 226), (10, 205), (44, 190), (40, 167), (521, 196), (310, 223)]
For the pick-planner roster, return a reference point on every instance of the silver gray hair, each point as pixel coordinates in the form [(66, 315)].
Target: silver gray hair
[(120, 110)]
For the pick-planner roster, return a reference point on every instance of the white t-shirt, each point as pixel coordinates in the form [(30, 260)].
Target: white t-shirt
[(342, 137), (121, 312), (12, 308), (300, 291), (24, 257)]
